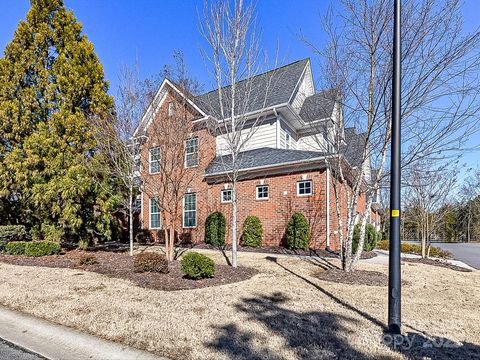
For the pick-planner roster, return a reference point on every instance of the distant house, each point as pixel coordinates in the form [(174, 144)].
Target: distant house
[(283, 167)]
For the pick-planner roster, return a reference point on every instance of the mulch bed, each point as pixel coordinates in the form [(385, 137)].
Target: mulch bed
[(439, 263), (357, 277), (281, 250), (120, 265)]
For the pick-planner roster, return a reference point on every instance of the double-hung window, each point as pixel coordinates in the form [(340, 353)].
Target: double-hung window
[(191, 152), (262, 192), (154, 214), (304, 188), (226, 196), (190, 210), (154, 160)]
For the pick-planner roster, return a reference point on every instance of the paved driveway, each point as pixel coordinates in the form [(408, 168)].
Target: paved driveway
[(12, 352), (468, 253)]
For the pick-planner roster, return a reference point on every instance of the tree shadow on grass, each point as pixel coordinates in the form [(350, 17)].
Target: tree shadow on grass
[(310, 335)]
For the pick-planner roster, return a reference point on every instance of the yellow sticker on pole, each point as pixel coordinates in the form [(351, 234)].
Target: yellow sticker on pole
[(395, 213)]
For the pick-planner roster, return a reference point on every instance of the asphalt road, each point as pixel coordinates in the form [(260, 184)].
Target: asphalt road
[(13, 352), (468, 253)]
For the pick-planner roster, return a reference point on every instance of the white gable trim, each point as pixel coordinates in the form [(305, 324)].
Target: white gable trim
[(295, 90), (162, 94)]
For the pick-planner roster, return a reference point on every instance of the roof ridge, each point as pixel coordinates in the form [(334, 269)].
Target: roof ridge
[(254, 76)]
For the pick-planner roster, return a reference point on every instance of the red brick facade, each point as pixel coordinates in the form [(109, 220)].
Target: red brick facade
[(273, 212)]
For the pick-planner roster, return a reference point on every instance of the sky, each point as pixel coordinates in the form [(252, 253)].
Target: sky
[(151, 30)]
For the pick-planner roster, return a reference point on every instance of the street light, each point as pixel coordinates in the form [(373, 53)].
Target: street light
[(394, 281)]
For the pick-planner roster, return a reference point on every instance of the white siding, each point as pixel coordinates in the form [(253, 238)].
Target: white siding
[(305, 89), (312, 143), (265, 135)]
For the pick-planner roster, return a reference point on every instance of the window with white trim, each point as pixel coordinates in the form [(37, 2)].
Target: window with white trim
[(304, 188), (171, 108), (190, 210), (154, 160), (288, 140), (226, 196), (262, 192), (191, 152), (154, 214)]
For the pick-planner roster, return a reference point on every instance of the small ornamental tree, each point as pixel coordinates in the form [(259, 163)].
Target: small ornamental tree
[(298, 232), (215, 229), (252, 232)]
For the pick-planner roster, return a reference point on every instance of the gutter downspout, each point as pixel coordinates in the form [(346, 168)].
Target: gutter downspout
[(328, 210)]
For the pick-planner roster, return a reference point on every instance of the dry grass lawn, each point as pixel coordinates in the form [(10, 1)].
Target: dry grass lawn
[(284, 312)]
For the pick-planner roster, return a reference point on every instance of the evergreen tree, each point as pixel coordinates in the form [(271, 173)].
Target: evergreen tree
[(51, 85)]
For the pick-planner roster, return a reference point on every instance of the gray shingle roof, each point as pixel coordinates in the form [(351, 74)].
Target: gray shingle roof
[(353, 150), (260, 158), (319, 106), (272, 88)]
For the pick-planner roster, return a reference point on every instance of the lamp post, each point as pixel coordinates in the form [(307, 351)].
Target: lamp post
[(394, 281)]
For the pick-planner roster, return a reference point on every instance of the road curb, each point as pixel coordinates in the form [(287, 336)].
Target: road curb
[(58, 342)]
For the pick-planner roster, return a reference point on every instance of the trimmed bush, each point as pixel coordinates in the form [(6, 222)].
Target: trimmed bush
[(197, 266), (83, 244), (252, 232), (12, 233), (215, 229), (150, 262), (87, 259), (416, 249), (371, 238), (15, 247), (41, 248), (298, 232), (143, 237)]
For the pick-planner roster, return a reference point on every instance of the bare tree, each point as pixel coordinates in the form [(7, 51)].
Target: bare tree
[(428, 198), (440, 95), (114, 135), (233, 58), (170, 132)]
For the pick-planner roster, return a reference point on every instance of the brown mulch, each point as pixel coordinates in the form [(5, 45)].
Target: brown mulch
[(436, 262), (120, 265), (357, 277), (281, 250)]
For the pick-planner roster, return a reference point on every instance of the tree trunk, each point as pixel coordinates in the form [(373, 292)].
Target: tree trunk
[(234, 224), (130, 219)]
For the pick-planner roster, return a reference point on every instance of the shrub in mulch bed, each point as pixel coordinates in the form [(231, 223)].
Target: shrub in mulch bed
[(197, 266), (150, 262), (120, 265), (15, 248), (41, 248), (416, 249), (87, 259)]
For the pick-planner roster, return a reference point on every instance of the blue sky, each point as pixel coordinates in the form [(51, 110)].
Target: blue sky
[(153, 29)]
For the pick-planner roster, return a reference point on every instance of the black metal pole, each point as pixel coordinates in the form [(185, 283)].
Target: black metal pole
[(394, 281)]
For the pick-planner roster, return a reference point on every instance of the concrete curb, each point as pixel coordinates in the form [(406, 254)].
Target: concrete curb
[(54, 341)]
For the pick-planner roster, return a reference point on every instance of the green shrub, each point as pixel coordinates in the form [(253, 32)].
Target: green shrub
[(87, 259), (215, 229), (15, 247), (150, 262), (52, 233), (197, 266), (371, 238), (415, 249), (12, 233), (41, 248), (144, 236), (298, 232), (252, 232), (83, 244)]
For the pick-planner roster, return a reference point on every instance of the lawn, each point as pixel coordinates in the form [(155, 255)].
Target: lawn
[(282, 312)]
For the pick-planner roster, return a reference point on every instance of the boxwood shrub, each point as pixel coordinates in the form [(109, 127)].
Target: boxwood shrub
[(41, 248), (415, 249), (371, 238), (215, 229), (15, 248), (150, 262), (197, 266), (298, 232), (252, 232)]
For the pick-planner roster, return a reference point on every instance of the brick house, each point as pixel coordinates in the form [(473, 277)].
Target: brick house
[(282, 168)]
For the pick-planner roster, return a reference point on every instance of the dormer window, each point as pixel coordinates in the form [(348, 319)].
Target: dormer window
[(171, 109)]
